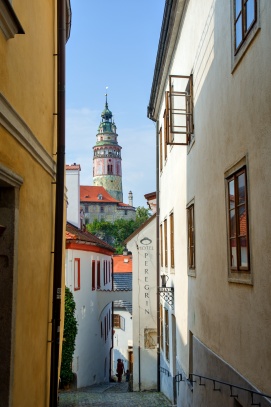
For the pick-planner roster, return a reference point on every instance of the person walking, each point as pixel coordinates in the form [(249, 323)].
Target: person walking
[(120, 369)]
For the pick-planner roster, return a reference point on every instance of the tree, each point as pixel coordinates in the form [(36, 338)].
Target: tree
[(70, 332), (115, 233), (142, 214)]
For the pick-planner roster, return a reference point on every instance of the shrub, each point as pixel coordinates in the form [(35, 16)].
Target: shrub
[(70, 332)]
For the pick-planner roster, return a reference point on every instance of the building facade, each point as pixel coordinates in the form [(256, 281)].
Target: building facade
[(97, 203), (28, 143), (211, 100), (142, 246), (88, 270)]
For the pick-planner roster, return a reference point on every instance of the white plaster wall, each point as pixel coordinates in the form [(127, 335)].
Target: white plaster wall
[(144, 306), (122, 340), (91, 360), (73, 193)]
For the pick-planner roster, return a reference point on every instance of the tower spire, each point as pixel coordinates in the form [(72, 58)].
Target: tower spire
[(107, 156), (106, 104)]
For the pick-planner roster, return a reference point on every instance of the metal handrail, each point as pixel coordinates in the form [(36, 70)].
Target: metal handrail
[(232, 385)]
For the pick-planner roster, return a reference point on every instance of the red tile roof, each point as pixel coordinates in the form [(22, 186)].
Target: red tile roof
[(73, 233), (91, 194), (126, 205), (122, 264)]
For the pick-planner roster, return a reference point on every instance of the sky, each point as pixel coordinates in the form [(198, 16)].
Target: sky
[(113, 44)]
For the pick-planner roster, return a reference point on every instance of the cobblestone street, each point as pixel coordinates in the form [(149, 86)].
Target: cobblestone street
[(110, 395)]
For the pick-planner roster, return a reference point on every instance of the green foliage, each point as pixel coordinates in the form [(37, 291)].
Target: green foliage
[(115, 233), (142, 214), (70, 332)]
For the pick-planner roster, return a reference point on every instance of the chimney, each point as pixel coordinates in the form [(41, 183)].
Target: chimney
[(130, 198)]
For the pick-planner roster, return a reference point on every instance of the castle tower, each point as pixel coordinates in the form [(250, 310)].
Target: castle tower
[(107, 157)]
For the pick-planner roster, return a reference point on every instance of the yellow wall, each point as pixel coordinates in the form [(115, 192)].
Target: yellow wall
[(28, 84)]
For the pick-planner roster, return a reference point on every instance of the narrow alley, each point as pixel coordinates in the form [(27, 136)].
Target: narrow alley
[(110, 395)]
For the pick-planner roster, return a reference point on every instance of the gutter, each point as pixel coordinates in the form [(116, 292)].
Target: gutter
[(157, 255), (163, 40), (59, 206)]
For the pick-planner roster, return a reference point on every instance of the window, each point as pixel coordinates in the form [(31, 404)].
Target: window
[(109, 271), (238, 239), (109, 169), (191, 236), (105, 329), (171, 218), (245, 16), (166, 335), (165, 240), (102, 209), (161, 246), (166, 127), (93, 272), (76, 274), (179, 110), (98, 274), (119, 322)]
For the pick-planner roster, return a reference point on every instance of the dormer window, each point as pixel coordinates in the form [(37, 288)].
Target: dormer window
[(100, 197)]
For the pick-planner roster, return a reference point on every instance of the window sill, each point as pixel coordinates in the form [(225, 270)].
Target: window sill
[(191, 272), (190, 145), (240, 278)]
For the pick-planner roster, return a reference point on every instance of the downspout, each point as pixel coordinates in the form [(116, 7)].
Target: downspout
[(59, 208), (157, 254), (112, 342), (139, 369), (112, 321)]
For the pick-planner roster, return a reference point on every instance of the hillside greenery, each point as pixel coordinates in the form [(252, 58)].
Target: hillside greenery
[(114, 233)]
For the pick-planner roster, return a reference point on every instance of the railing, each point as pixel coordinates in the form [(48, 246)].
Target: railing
[(181, 378), (163, 370)]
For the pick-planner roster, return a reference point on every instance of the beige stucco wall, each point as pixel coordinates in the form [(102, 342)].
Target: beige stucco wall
[(232, 121)]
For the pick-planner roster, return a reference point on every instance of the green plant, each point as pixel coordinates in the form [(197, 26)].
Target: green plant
[(70, 332)]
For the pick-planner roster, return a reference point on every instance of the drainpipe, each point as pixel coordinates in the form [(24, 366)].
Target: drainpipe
[(59, 209), (112, 342), (139, 368), (157, 254)]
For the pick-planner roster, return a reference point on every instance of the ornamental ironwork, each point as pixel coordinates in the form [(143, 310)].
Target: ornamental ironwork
[(167, 293)]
